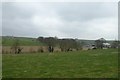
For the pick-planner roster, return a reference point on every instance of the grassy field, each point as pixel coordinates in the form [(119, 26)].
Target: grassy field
[(78, 64)]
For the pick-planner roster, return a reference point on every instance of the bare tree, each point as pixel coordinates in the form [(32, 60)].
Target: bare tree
[(99, 42), (115, 44), (16, 47), (68, 44), (51, 42)]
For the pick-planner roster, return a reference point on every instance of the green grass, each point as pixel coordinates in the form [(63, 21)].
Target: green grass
[(0, 66), (78, 64), (21, 40)]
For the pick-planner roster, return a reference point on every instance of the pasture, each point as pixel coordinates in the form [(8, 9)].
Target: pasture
[(76, 64)]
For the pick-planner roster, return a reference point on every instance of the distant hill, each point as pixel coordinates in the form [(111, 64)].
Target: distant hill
[(90, 42), (26, 41), (86, 42), (23, 41)]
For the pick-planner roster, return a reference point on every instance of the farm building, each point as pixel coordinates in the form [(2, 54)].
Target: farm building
[(89, 47), (106, 45)]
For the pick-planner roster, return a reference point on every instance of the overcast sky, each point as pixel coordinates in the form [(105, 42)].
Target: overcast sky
[(83, 20)]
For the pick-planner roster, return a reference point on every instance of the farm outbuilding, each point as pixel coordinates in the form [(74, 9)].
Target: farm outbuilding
[(89, 47), (106, 45)]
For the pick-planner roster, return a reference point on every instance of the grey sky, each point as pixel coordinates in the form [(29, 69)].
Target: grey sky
[(83, 20)]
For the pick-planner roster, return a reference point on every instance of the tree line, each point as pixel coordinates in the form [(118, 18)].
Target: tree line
[(63, 44)]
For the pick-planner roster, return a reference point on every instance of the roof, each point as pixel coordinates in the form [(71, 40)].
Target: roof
[(102, 39), (106, 44)]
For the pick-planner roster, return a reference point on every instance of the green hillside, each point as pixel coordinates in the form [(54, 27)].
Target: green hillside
[(23, 41)]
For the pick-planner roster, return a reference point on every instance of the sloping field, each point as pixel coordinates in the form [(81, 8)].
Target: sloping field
[(77, 64), (23, 41)]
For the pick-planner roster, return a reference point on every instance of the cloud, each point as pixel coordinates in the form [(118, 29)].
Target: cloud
[(75, 20), (60, 0)]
